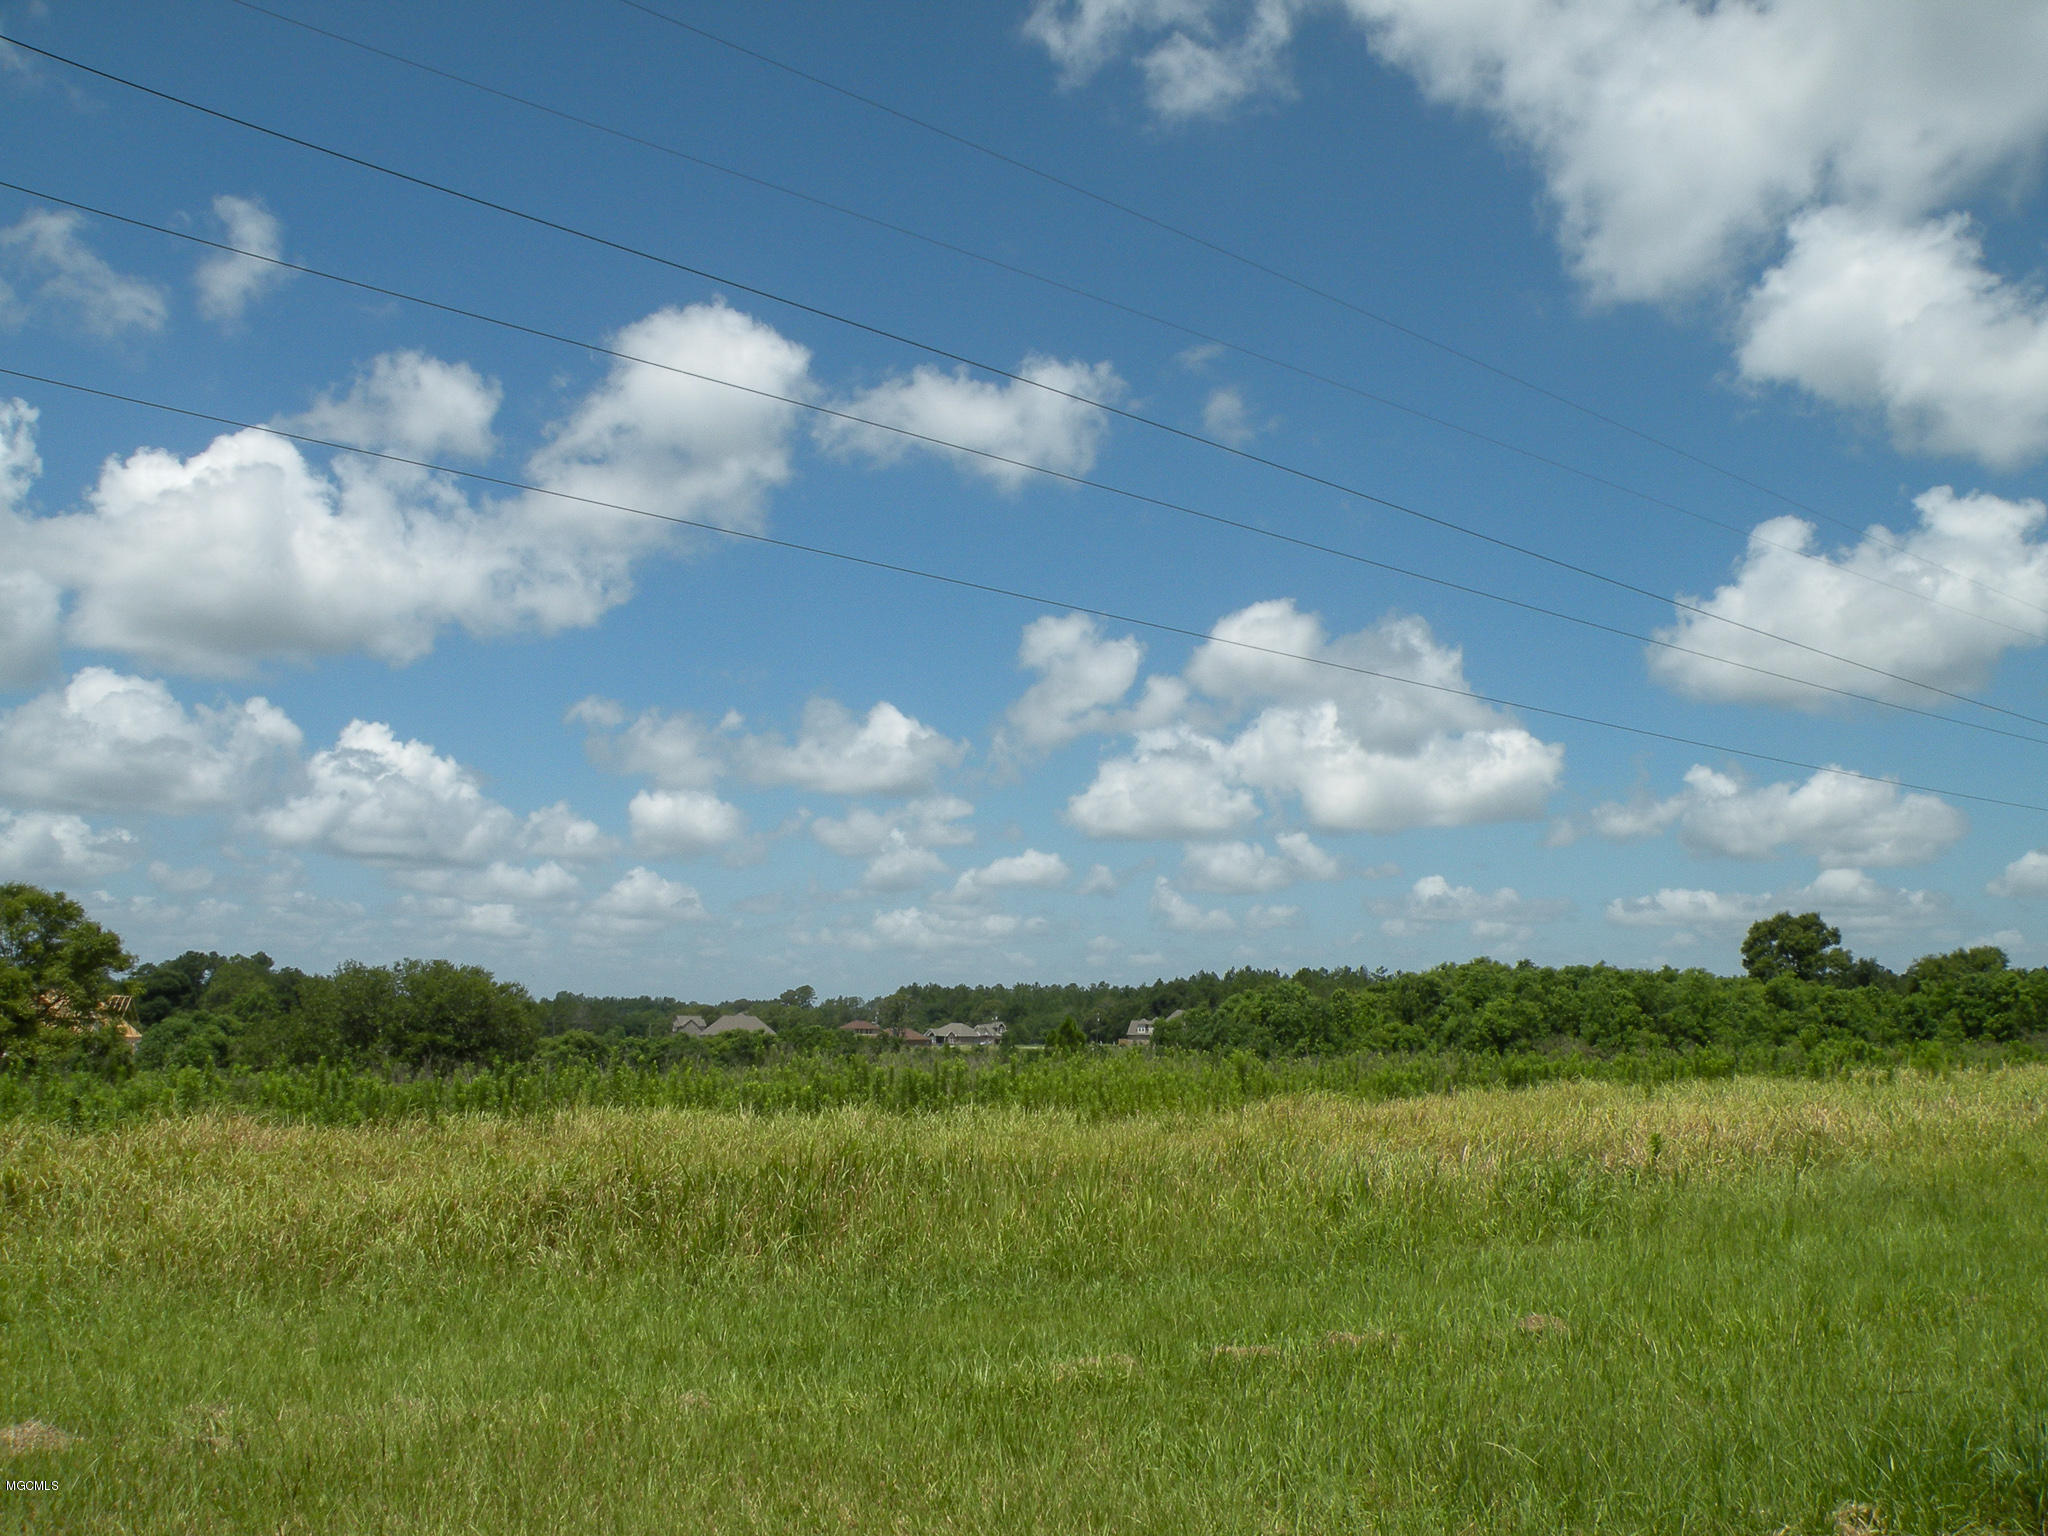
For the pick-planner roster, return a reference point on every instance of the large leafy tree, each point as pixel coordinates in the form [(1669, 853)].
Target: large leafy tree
[(1784, 945), (54, 961), (446, 1013)]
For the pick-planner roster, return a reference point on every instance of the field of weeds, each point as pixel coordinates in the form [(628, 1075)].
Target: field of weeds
[(1748, 1305)]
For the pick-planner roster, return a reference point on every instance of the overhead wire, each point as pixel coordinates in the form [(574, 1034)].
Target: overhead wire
[(1302, 284), (989, 456), (1308, 476), (1038, 599), (1193, 333)]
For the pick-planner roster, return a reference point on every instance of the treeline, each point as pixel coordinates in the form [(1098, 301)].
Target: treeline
[(1800, 993), (1483, 1006)]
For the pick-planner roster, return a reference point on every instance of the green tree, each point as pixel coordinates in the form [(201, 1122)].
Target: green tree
[(1785, 945), (449, 1013), (53, 960), (1066, 1036), (355, 1010), (172, 986), (196, 1039)]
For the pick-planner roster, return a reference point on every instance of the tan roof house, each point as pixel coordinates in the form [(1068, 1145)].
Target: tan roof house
[(693, 1025), (1140, 1031), (113, 1012), (969, 1034), (866, 1029), (728, 1023)]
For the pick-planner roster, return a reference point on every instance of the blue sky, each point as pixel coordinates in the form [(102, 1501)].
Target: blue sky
[(260, 693)]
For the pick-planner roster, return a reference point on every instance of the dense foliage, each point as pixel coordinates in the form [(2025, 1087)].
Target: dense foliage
[(56, 965), (1801, 993)]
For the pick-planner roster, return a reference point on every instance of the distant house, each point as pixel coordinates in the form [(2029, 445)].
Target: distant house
[(693, 1025), (112, 1013), (729, 1023), (866, 1029), (908, 1036), (1140, 1032), (969, 1034)]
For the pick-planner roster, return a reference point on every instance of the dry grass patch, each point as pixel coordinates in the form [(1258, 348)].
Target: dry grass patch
[(1095, 1367), (1244, 1352), (33, 1435), (1860, 1520), (211, 1427), (1541, 1323)]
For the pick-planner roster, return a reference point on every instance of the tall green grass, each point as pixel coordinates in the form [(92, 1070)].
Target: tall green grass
[(1727, 1305), (1096, 1083)]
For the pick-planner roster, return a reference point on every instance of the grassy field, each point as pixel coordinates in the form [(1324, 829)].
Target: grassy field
[(1748, 1305)]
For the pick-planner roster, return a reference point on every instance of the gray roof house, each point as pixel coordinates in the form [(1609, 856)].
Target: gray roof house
[(970, 1034), (728, 1022), (693, 1024), (1140, 1032)]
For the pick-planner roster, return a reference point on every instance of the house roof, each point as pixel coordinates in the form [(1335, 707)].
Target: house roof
[(913, 1036), (113, 1009), (958, 1031), (728, 1022), (687, 1024), (863, 1027)]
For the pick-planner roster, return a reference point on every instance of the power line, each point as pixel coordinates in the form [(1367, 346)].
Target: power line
[(1279, 275), (987, 455), (1192, 332), (1037, 599), (543, 222)]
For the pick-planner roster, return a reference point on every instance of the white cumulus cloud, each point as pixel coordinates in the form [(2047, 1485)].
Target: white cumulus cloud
[(641, 903), (279, 557), (375, 797), (1939, 604), (1176, 912), (677, 751), (1905, 320), (1847, 898), (838, 753), (228, 284), (1360, 752), (1498, 914), (898, 843), (2026, 876), (917, 928), (107, 741), (1031, 869), (1082, 676), (1841, 821), (1028, 423), (682, 823), (45, 847), (61, 274), (412, 404), (1681, 145), (659, 441), (496, 883), (1175, 783), (1198, 69), (1248, 867)]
